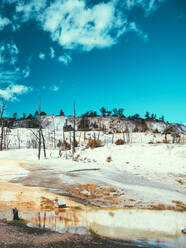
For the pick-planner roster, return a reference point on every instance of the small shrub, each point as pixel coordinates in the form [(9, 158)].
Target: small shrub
[(76, 143), (59, 144), (150, 142), (93, 233), (165, 141), (92, 143), (158, 142), (109, 159), (67, 128), (111, 213), (65, 146), (119, 142), (179, 181), (136, 130), (118, 131), (156, 131)]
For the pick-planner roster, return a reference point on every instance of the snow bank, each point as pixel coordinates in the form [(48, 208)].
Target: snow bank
[(169, 222)]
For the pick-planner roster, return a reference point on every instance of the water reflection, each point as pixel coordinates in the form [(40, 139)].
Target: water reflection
[(116, 225)]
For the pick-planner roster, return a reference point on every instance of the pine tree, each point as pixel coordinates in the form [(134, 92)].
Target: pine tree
[(61, 113)]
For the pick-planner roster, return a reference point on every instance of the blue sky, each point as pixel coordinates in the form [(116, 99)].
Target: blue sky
[(127, 54)]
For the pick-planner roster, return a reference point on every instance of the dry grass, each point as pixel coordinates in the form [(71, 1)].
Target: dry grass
[(111, 214), (46, 203), (92, 143), (109, 159), (180, 206), (119, 142), (179, 181), (92, 191)]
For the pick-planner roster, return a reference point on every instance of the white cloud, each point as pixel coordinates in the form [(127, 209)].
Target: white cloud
[(9, 76), (52, 52), (65, 59), (4, 22), (54, 88), (51, 88), (15, 27), (12, 91), (75, 24), (30, 9), (72, 24), (140, 33), (148, 5), (8, 53), (42, 56), (26, 72)]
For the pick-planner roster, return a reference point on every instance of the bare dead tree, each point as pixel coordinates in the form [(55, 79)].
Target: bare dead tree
[(113, 137), (44, 146), (70, 138), (18, 139), (79, 138), (41, 137), (2, 109), (7, 139), (124, 137), (54, 133), (99, 126), (84, 135), (74, 132), (94, 135), (63, 135)]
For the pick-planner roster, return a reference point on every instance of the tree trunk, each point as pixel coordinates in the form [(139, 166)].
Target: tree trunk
[(44, 147), (74, 132), (39, 145), (2, 108)]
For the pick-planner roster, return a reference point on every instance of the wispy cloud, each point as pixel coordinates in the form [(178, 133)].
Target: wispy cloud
[(75, 24), (54, 88), (11, 92), (4, 22), (133, 27), (51, 88), (26, 72), (29, 9), (9, 76), (51, 52), (42, 56), (65, 59), (147, 5), (8, 53)]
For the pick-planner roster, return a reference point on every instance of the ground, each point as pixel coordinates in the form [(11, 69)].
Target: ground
[(136, 176), (15, 235)]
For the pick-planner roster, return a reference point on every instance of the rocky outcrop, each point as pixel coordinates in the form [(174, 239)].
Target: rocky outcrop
[(107, 124)]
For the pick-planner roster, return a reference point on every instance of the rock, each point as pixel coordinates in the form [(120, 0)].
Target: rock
[(60, 203), (15, 214), (6, 214)]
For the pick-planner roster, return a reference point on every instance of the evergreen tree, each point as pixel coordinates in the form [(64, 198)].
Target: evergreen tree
[(147, 115), (36, 115), (30, 117), (84, 123), (103, 111), (61, 113), (15, 115), (120, 112)]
